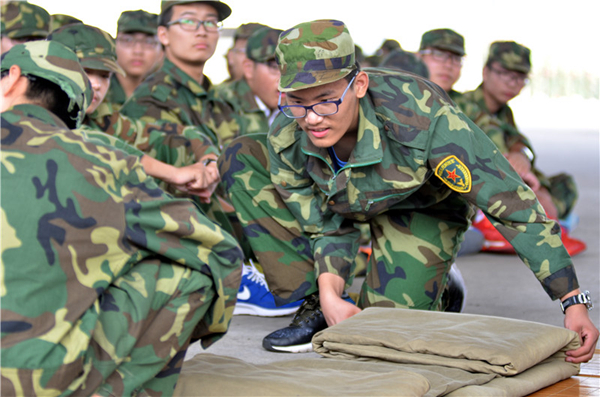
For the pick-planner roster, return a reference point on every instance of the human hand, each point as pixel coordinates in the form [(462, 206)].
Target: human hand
[(199, 179), (519, 162), (577, 319), (336, 309), (531, 180)]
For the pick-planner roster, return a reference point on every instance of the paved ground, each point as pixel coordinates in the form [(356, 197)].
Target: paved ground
[(498, 285)]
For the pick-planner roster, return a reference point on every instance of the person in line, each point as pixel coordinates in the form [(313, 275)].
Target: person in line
[(106, 279), (389, 149)]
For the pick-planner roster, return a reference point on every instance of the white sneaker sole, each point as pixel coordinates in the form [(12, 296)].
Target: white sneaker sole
[(305, 348), (253, 310)]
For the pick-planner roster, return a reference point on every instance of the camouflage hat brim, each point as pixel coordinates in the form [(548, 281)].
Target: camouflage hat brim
[(454, 49), (102, 64), (302, 80), (222, 9)]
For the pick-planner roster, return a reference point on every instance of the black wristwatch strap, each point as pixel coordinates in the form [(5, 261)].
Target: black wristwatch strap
[(579, 299)]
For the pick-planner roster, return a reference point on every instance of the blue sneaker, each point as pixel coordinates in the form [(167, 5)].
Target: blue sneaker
[(254, 297)]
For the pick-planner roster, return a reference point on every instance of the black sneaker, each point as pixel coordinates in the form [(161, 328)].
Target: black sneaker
[(297, 338)]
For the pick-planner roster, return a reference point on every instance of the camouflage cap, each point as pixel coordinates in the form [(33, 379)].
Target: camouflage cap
[(94, 47), (314, 53), (444, 39), (510, 55), (21, 19), (137, 21), (407, 61), (222, 9), (56, 63), (245, 31), (60, 20), (262, 44)]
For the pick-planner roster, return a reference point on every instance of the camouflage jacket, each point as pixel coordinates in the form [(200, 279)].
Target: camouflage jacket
[(64, 200), (171, 143), (115, 95), (415, 152), (170, 95), (499, 127), (239, 95), (455, 95)]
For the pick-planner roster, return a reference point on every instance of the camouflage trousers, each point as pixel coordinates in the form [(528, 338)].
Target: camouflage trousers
[(143, 328), (412, 250)]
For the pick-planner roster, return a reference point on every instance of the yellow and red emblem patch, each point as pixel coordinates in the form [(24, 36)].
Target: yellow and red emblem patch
[(455, 174)]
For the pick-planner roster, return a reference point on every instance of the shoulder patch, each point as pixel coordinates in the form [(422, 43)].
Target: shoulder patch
[(455, 174)]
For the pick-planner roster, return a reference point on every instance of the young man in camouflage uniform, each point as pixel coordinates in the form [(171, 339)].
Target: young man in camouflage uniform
[(138, 53), (237, 53), (22, 22), (105, 278), (442, 51), (504, 76), (179, 92), (175, 155), (254, 97), (389, 149)]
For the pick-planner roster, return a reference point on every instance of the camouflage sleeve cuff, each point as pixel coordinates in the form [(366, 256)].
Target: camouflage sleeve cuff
[(336, 255), (561, 282)]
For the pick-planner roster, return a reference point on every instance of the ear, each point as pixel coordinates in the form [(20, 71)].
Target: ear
[(248, 69), (162, 35), (361, 84), (12, 88)]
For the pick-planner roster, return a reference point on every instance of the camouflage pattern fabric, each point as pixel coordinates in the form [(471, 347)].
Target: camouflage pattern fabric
[(130, 275), (511, 56), (443, 39), (406, 61), (171, 95), (22, 20), (502, 130), (60, 20), (223, 9), (58, 64), (172, 143), (241, 98), (262, 44), (94, 47), (116, 94), (137, 21), (328, 63), (245, 30), (418, 168)]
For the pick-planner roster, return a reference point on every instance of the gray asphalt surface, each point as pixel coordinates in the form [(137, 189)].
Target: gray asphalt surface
[(497, 285)]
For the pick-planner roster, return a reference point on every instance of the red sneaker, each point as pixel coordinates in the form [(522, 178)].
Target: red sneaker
[(493, 240)]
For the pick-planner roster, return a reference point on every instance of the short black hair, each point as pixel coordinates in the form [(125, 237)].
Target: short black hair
[(50, 96), (165, 17)]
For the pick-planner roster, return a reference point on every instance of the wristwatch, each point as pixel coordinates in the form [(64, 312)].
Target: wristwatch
[(580, 299), (527, 153)]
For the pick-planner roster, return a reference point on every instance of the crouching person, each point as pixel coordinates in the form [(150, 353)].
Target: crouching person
[(105, 278)]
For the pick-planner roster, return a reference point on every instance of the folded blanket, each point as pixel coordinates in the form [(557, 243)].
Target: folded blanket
[(395, 352), (474, 343)]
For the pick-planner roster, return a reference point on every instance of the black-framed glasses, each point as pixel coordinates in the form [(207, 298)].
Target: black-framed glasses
[(510, 77), (443, 56), (193, 24), (326, 108), (128, 41)]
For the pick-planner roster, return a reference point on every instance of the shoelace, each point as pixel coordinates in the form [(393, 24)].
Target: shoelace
[(309, 308), (254, 274)]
